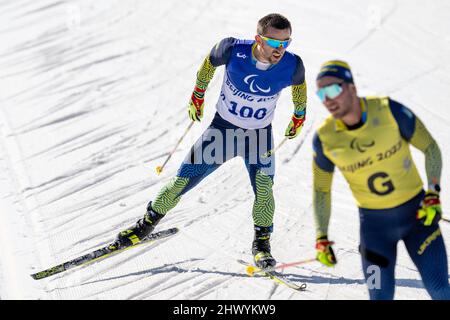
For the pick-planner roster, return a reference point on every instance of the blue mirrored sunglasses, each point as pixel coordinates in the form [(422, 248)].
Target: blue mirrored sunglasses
[(331, 91), (274, 43)]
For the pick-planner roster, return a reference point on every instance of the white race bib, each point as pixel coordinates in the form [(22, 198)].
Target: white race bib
[(243, 109)]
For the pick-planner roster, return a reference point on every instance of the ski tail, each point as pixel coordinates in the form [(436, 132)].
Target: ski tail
[(100, 254), (277, 278)]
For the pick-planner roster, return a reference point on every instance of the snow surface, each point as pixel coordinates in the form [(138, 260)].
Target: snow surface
[(93, 97)]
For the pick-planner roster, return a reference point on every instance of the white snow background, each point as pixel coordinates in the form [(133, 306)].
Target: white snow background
[(93, 97)]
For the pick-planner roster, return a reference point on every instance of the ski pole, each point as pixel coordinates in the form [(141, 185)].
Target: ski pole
[(252, 270), (160, 168), (445, 219), (272, 151)]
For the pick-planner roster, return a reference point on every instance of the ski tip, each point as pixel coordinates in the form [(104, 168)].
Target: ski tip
[(165, 232), (168, 231), (302, 287), (38, 276), (174, 229), (47, 273)]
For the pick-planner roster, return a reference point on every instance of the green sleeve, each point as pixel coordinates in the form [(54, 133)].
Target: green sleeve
[(299, 95), (205, 74)]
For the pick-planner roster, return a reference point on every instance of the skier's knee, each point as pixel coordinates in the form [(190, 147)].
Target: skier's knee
[(374, 257)]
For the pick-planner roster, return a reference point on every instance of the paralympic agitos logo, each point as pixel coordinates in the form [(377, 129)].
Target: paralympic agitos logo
[(361, 146), (250, 80)]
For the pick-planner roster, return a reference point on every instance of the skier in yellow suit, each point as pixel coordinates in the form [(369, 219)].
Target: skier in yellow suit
[(368, 139)]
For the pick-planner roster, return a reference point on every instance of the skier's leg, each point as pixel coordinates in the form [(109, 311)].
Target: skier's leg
[(263, 211), (264, 203), (196, 166), (378, 262), (207, 154), (261, 174), (188, 176), (426, 248), (378, 248)]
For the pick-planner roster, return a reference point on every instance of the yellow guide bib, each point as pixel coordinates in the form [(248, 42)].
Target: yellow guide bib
[(375, 159)]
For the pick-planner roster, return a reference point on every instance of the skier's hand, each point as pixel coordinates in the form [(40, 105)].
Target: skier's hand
[(195, 107), (430, 211), (295, 127), (325, 254)]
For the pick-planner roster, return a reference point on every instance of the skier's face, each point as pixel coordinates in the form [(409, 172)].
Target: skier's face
[(341, 105), (267, 53)]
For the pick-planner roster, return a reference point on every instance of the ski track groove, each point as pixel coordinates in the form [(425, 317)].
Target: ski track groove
[(272, 291), (372, 31), (297, 149), (55, 147), (40, 9), (164, 285)]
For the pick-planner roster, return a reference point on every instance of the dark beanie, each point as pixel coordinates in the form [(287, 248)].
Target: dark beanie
[(336, 68)]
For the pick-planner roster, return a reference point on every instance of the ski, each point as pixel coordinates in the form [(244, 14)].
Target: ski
[(100, 254), (277, 278)]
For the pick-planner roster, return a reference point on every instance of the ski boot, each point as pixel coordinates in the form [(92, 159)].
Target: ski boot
[(140, 230), (261, 248)]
